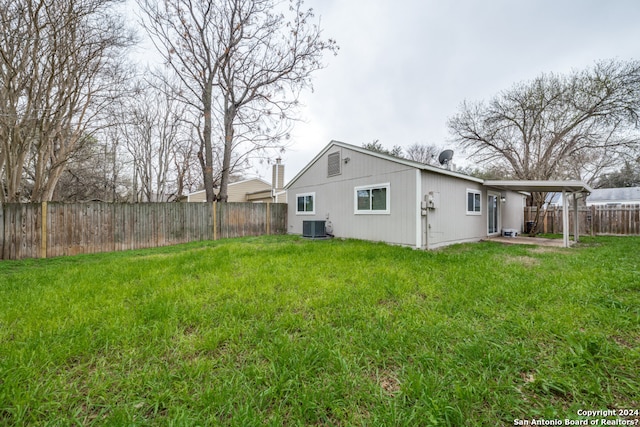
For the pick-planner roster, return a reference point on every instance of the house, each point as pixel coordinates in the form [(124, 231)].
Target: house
[(602, 197), (553, 200), (614, 196), (252, 190), (367, 195)]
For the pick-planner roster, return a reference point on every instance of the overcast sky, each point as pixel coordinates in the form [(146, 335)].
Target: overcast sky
[(404, 66)]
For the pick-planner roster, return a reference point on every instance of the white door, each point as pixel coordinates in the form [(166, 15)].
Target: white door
[(493, 208)]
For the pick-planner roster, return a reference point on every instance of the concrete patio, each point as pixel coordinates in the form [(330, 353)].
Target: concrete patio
[(526, 240)]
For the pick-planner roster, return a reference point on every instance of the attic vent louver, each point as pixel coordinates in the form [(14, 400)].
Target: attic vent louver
[(333, 164)]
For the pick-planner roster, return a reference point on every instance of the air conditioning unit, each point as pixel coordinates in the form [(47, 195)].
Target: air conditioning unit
[(313, 229)]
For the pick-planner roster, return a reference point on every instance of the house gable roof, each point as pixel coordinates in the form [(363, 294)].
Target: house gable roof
[(619, 195), (398, 160), (232, 184)]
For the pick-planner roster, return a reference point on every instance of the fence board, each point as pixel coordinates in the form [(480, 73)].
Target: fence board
[(595, 220), (1, 232), (103, 227), (21, 238)]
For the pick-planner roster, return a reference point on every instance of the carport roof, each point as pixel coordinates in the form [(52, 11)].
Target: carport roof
[(550, 186), (541, 186)]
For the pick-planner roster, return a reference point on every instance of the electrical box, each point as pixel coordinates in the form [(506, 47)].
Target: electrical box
[(433, 200), (424, 206)]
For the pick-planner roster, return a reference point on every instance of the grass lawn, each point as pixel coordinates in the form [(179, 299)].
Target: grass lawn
[(282, 331)]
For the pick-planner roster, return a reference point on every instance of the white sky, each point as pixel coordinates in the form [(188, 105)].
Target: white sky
[(404, 66)]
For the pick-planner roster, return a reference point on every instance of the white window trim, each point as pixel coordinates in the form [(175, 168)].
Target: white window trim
[(313, 196), (387, 211), (466, 201)]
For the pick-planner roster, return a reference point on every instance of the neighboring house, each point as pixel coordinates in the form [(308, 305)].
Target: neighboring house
[(553, 200), (252, 190), (372, 196), (614, 196), (602, 197)]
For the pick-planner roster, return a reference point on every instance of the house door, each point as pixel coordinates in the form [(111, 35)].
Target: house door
[(492, 213)]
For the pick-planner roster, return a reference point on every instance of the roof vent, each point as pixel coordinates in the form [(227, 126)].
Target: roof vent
[(333, 164)]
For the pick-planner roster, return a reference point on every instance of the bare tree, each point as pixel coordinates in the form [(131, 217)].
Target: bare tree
[(486, 172), (60, 67), (427, 154), (184, 156), (91, 173), (267, 59), (184, 33), (242, 64), (556, 126), (377, 146), (627, 176), (157, 138)]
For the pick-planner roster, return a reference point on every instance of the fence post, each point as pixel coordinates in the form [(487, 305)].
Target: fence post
[(1, 230), (43, 231), (268, 218), (215, 220)]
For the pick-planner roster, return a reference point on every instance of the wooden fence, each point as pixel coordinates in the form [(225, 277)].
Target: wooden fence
[(592, 220), (40, 230)]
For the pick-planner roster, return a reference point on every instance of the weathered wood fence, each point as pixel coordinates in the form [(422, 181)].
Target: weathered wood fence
[(592, 220), (40, 230)]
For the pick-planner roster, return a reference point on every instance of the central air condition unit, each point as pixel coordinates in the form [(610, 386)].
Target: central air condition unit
[(313, 229)]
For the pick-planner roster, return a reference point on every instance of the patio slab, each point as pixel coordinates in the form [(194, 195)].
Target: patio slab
[(526, 240)]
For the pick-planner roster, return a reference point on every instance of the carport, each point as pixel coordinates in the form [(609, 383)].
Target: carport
[(576, 189)]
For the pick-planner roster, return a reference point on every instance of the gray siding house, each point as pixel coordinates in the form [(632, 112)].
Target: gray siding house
[(367, 195), (614, 196), (254, 190)]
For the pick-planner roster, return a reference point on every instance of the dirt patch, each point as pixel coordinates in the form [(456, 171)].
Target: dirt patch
[(154, 256), (390, 385), (527, 261), (387, 382), (623, 342), (527, 377), (546, 250)]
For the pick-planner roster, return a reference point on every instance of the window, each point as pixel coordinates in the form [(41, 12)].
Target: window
[(305, 204), (373, 199), (473, 202), (333, 164)]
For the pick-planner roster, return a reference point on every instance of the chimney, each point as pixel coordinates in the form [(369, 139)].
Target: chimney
[(277, 181)]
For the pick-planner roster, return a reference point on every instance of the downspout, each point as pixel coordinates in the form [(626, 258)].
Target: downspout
[(418, 209), (425, 232)]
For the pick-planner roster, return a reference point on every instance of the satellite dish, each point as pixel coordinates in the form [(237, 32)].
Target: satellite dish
[(445, 157)]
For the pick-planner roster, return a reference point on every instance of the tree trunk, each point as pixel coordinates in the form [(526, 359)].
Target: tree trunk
[(538, 201), (207, 162), (229, 116)]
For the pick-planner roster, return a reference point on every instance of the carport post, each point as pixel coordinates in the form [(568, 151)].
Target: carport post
[(565, 219)]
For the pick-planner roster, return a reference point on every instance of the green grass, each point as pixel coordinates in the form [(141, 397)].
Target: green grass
[(282, 331)]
